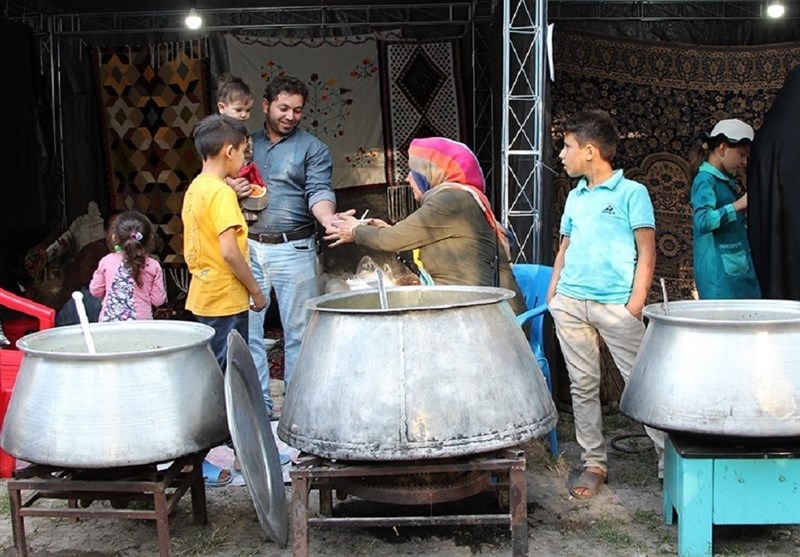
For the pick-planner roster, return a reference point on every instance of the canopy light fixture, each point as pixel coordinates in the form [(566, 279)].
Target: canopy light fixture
[(193, 20), (776, 9)]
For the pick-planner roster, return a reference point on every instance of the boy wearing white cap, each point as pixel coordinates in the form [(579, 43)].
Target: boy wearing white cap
[(723, 267)]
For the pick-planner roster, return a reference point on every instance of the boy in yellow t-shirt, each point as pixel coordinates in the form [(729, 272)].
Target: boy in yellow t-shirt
[(215, 236)]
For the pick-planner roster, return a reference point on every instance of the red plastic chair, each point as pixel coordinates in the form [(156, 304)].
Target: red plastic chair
[(10, 360)]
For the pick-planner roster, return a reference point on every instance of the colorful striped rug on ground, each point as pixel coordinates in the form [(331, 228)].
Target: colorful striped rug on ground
[(663, 96), (151, 97), (422, 97)]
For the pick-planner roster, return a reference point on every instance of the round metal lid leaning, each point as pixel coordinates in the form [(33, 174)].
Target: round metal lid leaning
[(252, 437)]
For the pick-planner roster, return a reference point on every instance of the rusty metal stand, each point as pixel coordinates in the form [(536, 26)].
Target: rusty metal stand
[(119, 486), (312, 472)]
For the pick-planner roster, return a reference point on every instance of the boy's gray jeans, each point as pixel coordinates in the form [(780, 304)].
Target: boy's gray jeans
[(578, 325)]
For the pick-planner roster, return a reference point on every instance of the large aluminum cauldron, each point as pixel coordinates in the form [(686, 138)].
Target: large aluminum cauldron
[(719, 367), (152, 393), (444, 371)]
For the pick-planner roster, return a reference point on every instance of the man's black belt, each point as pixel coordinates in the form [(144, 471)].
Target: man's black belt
[(282, 238)]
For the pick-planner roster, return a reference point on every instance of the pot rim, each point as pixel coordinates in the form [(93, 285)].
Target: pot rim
[(205, 333), (494, 295), (656, 311)]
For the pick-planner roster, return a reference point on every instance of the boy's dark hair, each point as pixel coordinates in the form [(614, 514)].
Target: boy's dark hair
[(135, 236), (231, 89), (596, 127), (214, 132), (285, 84)]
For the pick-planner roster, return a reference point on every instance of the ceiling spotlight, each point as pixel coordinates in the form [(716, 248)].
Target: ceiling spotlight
[(776, 9), (193, 20)]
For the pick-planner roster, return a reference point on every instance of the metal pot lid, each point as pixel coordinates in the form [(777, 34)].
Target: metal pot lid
[(252, 437)]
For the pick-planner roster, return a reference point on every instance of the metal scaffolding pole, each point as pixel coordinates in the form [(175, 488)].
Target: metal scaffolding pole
[(522, 128)]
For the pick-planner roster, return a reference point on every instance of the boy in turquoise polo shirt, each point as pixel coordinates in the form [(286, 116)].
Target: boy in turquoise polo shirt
[(601, 277)]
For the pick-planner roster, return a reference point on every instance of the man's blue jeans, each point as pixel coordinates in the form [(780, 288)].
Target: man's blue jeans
[(222, 326), (289, 268)]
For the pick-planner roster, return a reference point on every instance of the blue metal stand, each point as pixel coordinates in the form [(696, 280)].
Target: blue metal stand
[(711, 484)]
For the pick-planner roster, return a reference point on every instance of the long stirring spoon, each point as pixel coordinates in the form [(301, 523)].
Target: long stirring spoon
[(664, 294), (84, 319), (382, 290)]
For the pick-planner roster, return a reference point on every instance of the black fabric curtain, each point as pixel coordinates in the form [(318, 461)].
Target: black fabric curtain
[(83, 161), (24, 190), (773, 178)]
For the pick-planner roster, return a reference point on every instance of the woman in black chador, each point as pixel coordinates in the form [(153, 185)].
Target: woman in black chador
[(773, 184)]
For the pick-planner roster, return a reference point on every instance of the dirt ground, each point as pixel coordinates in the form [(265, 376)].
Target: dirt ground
[(623, 520)]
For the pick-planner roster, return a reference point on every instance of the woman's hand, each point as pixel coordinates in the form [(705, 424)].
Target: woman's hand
[(328, 219), (377, 222), (340, 230)]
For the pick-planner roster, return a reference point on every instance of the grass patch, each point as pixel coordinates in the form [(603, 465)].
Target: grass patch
[(651, 519), (5, 504), (206, 543), (619, 422), (537, 454), (565, 428), (634, 470), (612, 534)]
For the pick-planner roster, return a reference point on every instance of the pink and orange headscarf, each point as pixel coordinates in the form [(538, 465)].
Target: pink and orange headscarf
[(437, 160), (440, 162)]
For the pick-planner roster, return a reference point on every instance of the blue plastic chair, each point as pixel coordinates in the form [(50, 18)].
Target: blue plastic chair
[(533, 281)]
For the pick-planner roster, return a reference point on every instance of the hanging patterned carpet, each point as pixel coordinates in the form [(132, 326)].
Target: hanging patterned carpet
[(151, 97), (421, 89), (663, 96), (344, 101)]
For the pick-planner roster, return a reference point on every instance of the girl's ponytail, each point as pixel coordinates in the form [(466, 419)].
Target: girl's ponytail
[(134, 233)]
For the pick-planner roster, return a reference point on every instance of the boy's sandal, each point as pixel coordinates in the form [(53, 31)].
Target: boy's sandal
[(587, 485), (215, 476)]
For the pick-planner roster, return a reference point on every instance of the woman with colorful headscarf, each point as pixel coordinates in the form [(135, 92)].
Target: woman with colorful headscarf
[(454, 235)]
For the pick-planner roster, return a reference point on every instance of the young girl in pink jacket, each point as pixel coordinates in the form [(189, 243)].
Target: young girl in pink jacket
[(128, 280)]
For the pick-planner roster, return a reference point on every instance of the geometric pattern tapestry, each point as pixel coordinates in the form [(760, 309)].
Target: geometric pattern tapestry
[(151, 97), (344, 103), (662, 97), (422, 97)]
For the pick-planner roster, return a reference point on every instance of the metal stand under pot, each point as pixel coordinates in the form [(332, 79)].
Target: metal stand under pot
[(119, 486), (503, 471), (708, 482)]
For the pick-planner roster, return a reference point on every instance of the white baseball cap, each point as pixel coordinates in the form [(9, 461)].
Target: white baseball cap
[(733, 131)]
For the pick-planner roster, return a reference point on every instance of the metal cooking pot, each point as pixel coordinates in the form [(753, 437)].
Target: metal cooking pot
[(719, 367), (444, 371), (153, 392)]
